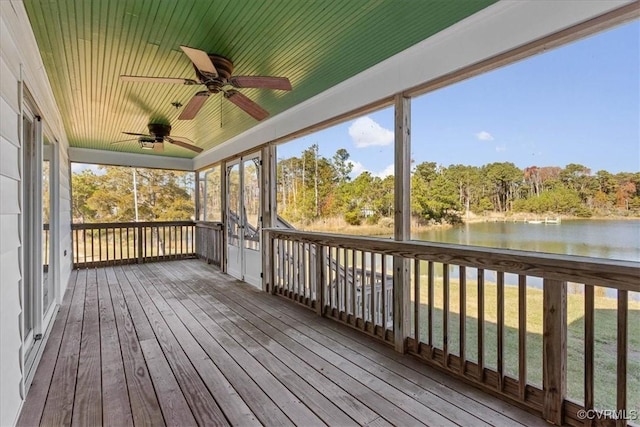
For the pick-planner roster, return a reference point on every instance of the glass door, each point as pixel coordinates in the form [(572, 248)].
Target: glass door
[(243, 219)]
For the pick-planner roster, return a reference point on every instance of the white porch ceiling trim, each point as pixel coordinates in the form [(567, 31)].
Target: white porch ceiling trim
[(115, 158), (497, 29)]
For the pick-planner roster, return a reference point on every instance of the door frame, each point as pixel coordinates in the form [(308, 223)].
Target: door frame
[(240, 271)]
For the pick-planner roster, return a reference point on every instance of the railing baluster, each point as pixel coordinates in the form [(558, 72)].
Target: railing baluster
[(430, 297), (363, 289), (383, 296), (522, 336), (372, 307), (295, 290), (345, 295), (445, 314), (416, 303), (353, 287), (621, 380), (481, 325), (462, 320), (500, 330), (140, 233), (320, 274), (281, 269), (76, 255), (589, 315)]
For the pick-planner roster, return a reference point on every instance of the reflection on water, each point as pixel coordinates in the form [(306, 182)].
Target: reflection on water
[(594, 238)]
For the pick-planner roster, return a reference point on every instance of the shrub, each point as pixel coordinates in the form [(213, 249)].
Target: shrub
[(353, 218)]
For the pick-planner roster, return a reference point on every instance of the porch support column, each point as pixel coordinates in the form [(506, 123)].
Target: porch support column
[(402, 217), (223, 205), (197, 195), (268, 209), (554, 353)]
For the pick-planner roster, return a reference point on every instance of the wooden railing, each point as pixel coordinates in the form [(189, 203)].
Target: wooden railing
[(497, 318), (210, 242), (132, 242)]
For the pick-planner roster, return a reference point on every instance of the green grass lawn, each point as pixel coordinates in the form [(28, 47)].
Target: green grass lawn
[(605, 337)]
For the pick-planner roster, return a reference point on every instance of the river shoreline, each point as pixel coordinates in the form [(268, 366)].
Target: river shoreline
[(339, 226)]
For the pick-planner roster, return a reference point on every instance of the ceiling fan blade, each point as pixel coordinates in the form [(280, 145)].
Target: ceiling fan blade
[(145, 79), (158, 147), (136, 134), (184, 144), (201, 60), (265, 82), (249, 106), (194, 105)]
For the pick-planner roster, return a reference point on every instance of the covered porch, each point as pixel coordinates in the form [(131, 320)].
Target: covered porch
[(180, 343), (142, 323)]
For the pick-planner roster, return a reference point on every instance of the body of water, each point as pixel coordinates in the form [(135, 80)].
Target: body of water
[(609, 239)]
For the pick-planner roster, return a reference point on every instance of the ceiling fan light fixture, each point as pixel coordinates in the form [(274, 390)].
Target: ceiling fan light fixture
[(146, 145)]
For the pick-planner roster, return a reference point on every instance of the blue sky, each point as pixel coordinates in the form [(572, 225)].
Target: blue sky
[(576, 104)]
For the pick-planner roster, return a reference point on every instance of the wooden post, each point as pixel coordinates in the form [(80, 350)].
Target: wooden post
[(402, 212), (197, 195), (554, 344), (268, 211)]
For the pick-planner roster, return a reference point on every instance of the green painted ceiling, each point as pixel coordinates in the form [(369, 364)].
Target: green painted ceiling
[(86, 45)]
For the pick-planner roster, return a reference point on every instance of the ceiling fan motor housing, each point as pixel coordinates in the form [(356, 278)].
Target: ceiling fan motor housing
[(224, 66), (158, 131)]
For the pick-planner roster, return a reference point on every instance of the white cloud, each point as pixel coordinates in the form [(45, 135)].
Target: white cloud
[(484, 136), (365, 132), (502, 147), (357, 168), (389, 170)]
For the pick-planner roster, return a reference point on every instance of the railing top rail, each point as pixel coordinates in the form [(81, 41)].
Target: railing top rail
[(209, 224), (103, 225), (594, 271)]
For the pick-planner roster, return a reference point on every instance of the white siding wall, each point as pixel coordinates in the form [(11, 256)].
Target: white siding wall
[(18, 48)]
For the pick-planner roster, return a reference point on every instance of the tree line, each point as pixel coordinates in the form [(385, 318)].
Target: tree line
[(312, 186), (110, 195)]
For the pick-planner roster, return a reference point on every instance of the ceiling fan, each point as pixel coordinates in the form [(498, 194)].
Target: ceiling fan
[(215, 72), (158, 133)]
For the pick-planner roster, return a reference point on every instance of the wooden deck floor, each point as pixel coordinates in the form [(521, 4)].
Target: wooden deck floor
[(179, 343)]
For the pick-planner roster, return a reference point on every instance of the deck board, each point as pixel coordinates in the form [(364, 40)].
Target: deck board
[(87, 408), (179, 343), (116, 409)]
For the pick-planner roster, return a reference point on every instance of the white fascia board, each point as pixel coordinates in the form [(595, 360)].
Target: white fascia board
[(496, 29), (116, 158)]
